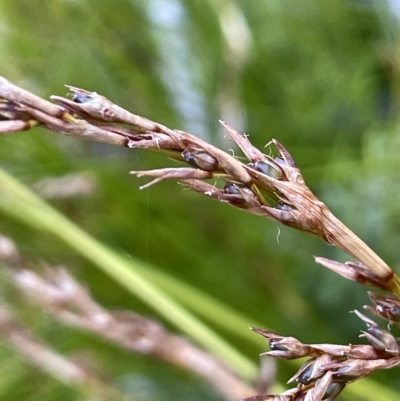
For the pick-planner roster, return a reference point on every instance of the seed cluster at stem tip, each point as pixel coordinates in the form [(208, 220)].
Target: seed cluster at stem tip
[(268, 185)]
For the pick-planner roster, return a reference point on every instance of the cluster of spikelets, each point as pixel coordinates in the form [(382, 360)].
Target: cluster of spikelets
[(331, 367), (268, 185)]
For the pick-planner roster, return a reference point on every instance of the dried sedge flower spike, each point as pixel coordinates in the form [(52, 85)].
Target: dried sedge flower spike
[(81, 97), (323, 389), (285, 207), (288, 395), (161, 174), (333, 390), (386, 307), (381, 340), (269, 398), (354, 369), (288, 348), (12, 111), (267, 168), (312, 370), (79, 102), (285, 155), (250, 151), (355, 272), (366, 276), (239, 196), (202, 160), (284, 347), (245, 199), (231, 188), (266, 333), (305, 373)]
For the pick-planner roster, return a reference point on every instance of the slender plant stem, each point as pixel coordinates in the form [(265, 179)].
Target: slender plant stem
[(206, 306), (21, 203)]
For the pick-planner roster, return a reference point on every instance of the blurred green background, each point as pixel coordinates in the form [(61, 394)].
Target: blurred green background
[(321, 77)]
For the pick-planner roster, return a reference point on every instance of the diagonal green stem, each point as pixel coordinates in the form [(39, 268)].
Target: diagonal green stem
[(209, 308), (20, 202)]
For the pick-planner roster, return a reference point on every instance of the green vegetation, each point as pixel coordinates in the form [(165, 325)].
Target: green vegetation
[(321, 77)]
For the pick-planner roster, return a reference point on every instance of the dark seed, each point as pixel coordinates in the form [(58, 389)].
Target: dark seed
[(231, 188)]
